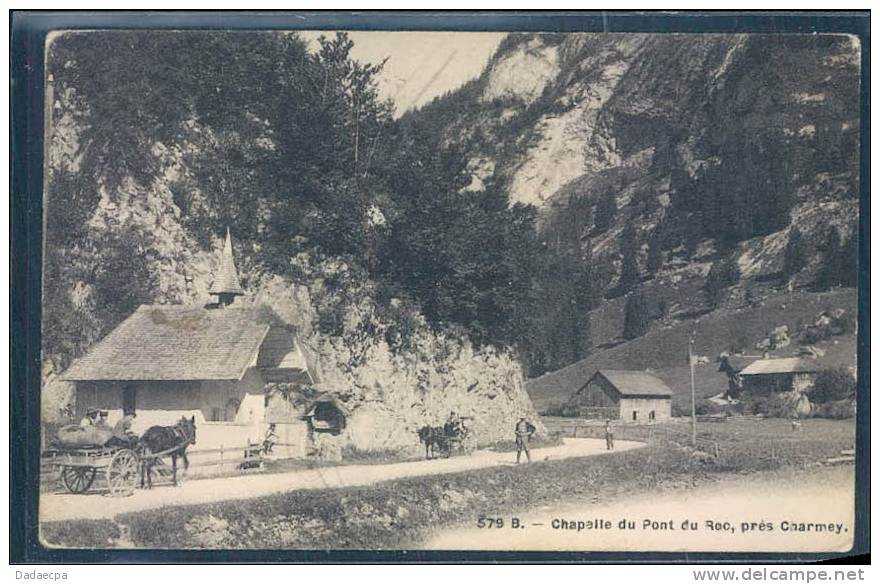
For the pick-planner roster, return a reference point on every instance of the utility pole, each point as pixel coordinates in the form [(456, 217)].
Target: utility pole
[(693, 393)]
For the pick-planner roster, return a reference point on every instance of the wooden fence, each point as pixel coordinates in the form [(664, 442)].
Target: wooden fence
[(241, 458), (247, 456)]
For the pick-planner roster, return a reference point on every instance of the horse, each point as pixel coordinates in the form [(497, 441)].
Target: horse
[(433, 437), (169, 440)]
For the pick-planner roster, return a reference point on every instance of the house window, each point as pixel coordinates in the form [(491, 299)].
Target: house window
[(129, 399), (651, 415), (231, 409), (635, 415)]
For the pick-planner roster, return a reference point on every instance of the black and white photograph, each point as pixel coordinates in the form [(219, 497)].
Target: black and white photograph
[(450, 290)]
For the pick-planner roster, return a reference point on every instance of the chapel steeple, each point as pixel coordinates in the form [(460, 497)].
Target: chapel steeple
[(226, 285)]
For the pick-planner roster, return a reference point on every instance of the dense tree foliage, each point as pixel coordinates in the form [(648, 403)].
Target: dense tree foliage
[(839, 261), (637, 315), (795, 258), (723, 273), (160, 140), (294, 151), (655, 252), (833, 385), (606, 209), (629, 266)]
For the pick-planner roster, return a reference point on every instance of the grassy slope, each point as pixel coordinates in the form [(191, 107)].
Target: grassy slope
[(664, 351)]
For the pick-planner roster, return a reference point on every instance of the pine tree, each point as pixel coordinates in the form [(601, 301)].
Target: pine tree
[(629, 268), (795, 258), (723, 273), (584, 301), (655, 252), (830, 273), (849, 260), (606, 209), (636, 315)]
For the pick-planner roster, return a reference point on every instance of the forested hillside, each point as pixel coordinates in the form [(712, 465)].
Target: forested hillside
[(159, 141), (577, 170), (352, 225)]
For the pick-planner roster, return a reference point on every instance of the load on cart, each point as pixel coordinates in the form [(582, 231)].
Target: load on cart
[(91, 449)]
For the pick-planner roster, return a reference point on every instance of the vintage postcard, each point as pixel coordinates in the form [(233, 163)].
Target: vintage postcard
[(450, 291)]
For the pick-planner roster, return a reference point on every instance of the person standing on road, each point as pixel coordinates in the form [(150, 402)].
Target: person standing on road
[(523, 430), (609, 435)]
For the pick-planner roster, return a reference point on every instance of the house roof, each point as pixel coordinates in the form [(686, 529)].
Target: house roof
[(740, 362), (786, 365), (177, 343), (283, 359), (226, 279), (636, 383)]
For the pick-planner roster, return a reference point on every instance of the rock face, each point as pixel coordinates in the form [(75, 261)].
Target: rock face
[(506, 79), (392, 391), (655, 121)]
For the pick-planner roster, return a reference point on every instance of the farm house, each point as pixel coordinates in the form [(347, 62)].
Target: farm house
[(212, 362), (631, 396), (766, 376)]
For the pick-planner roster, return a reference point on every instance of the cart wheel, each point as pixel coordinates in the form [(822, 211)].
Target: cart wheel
[(78, 479), (122, 474)]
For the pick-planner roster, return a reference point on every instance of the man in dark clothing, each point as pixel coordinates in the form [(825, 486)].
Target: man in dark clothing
[(122, 428), (523, 430), (122, 433), (269, 439), (609, 436)]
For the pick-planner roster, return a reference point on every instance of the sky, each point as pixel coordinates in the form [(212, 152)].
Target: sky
[(421, 65)]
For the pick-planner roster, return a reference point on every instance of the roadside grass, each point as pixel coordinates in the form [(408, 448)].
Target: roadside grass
[(401, 513), (85, 533)]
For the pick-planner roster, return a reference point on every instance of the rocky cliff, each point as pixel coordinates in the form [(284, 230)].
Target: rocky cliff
[(689, 134), (395, 381)]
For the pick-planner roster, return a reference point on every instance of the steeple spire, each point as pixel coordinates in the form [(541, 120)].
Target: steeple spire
[(226, 285)]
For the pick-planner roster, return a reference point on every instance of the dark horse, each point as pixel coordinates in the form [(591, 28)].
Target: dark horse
[(167, 441), (434, 438)]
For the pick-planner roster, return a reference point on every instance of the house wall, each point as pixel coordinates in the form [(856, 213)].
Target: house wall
[(157, 403), (767, 383), (803, 381), (163, 403), (217, 399), (596, 400), (643, 406)]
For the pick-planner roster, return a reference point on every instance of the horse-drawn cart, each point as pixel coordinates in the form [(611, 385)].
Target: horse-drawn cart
[(83, 453), (119, 468), (447, 439)]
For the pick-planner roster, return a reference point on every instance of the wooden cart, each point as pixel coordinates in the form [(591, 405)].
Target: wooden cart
[(119, 468)]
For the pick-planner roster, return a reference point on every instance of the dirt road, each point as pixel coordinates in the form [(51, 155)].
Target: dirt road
[(55, 507), (810, 511)]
